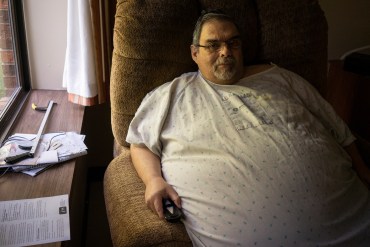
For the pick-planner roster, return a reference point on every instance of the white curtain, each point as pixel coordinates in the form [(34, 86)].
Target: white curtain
[(80, 77)]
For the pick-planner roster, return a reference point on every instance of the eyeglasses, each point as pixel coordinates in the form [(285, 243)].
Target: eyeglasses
[(215, 46)]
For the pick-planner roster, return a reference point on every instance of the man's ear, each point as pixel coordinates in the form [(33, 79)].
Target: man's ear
[(194, 52)]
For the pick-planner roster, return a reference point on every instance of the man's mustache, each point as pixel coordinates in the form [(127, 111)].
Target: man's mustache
[(225, 60)]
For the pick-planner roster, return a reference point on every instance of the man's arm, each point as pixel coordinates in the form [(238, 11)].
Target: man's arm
[(148, 166), (358, 163)]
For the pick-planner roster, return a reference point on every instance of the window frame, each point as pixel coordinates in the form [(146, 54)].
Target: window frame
[(19, 96)]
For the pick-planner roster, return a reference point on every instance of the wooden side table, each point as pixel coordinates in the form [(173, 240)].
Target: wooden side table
[(65, 178)]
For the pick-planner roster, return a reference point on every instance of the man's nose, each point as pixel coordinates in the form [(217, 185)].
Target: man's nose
[(225, 49)]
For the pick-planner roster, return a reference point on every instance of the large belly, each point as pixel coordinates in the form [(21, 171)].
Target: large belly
[(248, 195)]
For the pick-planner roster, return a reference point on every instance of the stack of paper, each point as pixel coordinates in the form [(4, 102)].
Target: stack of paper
[(53, 148)]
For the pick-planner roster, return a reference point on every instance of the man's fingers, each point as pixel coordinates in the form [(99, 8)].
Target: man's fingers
[(156, 192), (158, 208), (175, 198)]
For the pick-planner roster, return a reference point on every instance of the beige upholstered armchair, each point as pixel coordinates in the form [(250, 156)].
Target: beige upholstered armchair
[(152, 46)]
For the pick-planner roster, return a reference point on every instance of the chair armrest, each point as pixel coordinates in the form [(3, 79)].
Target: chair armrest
[(131, 222)]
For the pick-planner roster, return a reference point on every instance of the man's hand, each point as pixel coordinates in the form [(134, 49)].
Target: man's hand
[(156, 190), (148, 166)]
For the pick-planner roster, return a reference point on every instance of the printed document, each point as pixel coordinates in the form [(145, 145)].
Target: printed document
[(34, 221)]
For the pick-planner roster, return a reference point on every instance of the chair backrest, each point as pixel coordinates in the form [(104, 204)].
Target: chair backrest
[(152, 44)]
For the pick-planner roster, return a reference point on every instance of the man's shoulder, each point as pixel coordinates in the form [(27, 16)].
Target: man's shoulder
[(178, 82), (257, 68), (174, 86), (186, 77)]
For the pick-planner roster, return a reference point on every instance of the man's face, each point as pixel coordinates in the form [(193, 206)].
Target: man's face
[(223, 65)]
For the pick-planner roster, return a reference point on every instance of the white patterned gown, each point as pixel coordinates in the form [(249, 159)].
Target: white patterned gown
[(257, 163)]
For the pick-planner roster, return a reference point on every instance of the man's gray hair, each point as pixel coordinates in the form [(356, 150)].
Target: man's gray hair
[(207, 16)]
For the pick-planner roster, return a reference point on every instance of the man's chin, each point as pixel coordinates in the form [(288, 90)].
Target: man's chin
[(225, 75)]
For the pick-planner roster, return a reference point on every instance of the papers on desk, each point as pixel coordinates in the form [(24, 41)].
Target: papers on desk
[(54, 148), (34, 221)]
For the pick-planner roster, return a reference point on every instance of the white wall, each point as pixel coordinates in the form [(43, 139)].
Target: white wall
[(349, 28), (46, 24), (349, 25)]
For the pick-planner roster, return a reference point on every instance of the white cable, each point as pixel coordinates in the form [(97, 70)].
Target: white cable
[(354, 50)]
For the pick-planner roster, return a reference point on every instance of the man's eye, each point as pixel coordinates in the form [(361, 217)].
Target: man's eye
[(214, 45), (234, 43)]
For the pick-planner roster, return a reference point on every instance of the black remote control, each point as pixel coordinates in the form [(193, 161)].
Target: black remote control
[(171, 212)]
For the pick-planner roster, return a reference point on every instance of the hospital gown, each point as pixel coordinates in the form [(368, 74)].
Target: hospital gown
[(257, 163)]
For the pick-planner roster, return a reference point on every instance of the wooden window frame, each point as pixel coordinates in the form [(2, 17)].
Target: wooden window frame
[(22, 73)]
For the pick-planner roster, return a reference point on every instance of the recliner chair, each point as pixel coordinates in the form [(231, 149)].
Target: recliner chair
[(152, 46)]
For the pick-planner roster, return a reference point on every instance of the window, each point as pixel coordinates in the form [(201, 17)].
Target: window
[(14, 71)]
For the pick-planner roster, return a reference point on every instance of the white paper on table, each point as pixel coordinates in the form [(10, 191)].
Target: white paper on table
[(48, 157), (67, 144), (34, 221)]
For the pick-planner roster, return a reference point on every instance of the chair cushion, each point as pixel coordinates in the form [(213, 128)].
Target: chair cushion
[(131, 222), (296, 41), (155, 37), (152, 36)]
